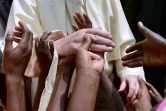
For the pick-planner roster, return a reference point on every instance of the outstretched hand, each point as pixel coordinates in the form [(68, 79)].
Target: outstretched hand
[(150, 52)]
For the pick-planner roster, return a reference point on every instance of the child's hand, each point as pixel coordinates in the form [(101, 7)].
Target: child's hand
[(82, 21)]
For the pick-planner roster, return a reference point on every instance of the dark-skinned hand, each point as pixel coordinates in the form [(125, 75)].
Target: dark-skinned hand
[(149, 52), (155, 95), (143, 100), (44, 52), (82, 21), (15, 60)]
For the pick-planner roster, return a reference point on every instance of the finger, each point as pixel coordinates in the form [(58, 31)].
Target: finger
[(18, 28), (134, 64), (16, 40), (18, 34), (87, 19), (45, 35), (37, 44), (132, 91), (132, 55), (79, 17), (98, 32), (137, 106), (77, 22), (102, 41), (9, 40), (149, 86), (100, 48), (30, 42), (26, 33), (75, 28), (86, 43), (137, 46), (122, 87), (155, 97), (51, 43), (145, 31), (141, 83), (136, 91), (94, 56)]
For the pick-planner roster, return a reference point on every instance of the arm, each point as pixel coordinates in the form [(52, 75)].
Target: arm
[(59, 96), (15, 61), (83, 97)]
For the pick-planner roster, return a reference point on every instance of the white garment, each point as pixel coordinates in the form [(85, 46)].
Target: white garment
[(41, 15)]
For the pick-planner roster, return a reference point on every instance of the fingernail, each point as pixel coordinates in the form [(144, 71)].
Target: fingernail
[(113, 44), (110, 36), (98, 57), (109, 49), (10, 31)]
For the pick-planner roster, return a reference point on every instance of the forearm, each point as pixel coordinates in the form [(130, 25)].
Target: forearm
[(15, 94), (59, 96), (85, 90), (41, 85)]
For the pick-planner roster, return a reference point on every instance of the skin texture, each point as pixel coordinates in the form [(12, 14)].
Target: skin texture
[(129, 82), (44, 56), (82, 21), (143, 100), (149, 52), (59, 96), (101, 42), (155, 95), (86, 85), (15, 61)]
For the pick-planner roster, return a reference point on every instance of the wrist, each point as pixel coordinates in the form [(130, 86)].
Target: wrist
[(14, 81), (58, 45), (87, 71)]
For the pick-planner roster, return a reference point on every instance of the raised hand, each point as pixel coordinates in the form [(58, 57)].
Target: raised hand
[(44, 51), (15, 60), (89, 69), (82, 21), (150, 52)]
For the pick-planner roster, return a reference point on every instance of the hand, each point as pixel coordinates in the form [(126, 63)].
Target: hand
[(81, 21), (85, 61), (15, 60), (155, 95), (131, 86), (44, 54), (150, 52), (101, 42), (143, 100)]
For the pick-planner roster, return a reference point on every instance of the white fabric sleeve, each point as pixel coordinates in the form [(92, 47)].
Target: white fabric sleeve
[(27, 12)]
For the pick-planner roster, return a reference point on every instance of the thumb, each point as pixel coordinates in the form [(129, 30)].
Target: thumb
[(141, 82), (145, 31), (87, 42), (122, 86), (9, 40), (137, 106)]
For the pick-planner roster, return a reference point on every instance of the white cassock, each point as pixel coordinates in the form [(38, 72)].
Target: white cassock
[(42, 15)]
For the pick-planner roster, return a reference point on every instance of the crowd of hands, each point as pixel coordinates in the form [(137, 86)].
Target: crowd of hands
[(86, 47)]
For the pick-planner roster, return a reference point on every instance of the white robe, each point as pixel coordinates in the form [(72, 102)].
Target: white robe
[(41, 15)]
